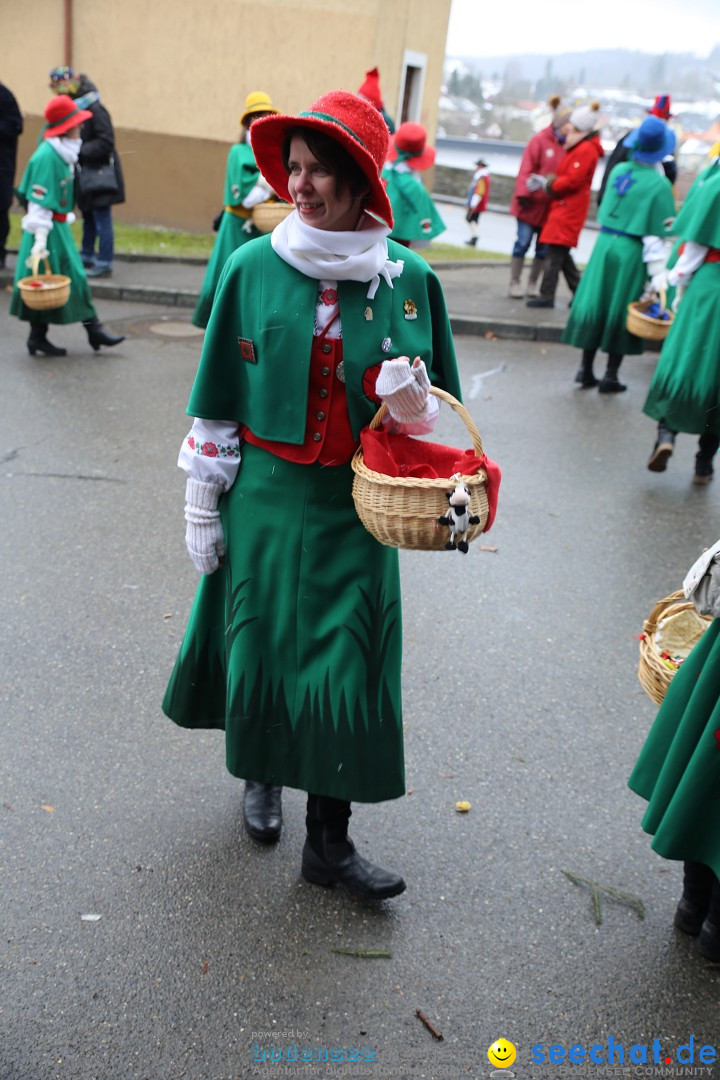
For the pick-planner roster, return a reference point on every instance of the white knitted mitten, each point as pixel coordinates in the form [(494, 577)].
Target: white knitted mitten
[(204, 532), (404, 389)]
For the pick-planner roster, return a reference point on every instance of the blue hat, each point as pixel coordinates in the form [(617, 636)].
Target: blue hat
[(652, 141)]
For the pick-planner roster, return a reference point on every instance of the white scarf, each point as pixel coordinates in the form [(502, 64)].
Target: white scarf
[(68, 149), (323, 254)]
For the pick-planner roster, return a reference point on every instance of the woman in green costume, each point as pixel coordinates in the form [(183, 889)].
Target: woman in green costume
[(294, 642), (415, 214), (684, 393), (47, 188), (637, 204), (678, 770), (244, 189)]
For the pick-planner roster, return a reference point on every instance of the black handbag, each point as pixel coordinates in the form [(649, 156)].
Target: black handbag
[(95, 180)]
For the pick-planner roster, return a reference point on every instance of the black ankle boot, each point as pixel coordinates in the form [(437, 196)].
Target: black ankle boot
[(697, 889), (98, 335), (329, 856), (662, 450), (262, 811), (38, 342), (585, 376), (610, 384), (709, 937)]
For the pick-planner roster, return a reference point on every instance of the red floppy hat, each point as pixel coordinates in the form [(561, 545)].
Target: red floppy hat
[(62, 114), (409, 143), (345, 117)]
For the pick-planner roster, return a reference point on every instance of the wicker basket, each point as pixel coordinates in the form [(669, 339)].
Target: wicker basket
[(265, 216), (401, 511), (645, 326), (655, 673), (43, 292)]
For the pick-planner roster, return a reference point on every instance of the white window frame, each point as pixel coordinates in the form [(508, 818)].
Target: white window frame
[(412, 59)]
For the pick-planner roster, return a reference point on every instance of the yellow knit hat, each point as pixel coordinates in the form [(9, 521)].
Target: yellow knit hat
[(257, 102)]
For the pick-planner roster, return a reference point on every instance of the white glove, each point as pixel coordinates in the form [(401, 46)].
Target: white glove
[(679, 293), (659, 280), (535, 182), (39, 249), (204, 533), (404, 389)]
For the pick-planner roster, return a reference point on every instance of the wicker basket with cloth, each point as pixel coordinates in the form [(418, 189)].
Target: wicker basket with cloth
[(669, 634), (44, 292), (401, 484)]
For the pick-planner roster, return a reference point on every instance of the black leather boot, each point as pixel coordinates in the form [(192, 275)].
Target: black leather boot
[(329, 856), (98, 335), (692, 910), (262, 811), (610, 384), (709, 937), (662, 450), (585, 376), (38, 342)]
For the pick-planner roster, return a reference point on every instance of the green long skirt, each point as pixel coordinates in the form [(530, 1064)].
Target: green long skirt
[(685, 388), (232, 233), (613, 278), (678, 770), (64, 259), (294, 646)]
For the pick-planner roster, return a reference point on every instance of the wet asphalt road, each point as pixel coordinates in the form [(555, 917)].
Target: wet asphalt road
[(521, 697)]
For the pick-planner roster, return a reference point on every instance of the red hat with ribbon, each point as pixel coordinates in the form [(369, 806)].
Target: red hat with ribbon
[(62, 114), (409, 143), (348, 119)]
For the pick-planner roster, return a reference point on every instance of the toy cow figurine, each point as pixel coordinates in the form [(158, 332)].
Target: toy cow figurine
[(458, 519)]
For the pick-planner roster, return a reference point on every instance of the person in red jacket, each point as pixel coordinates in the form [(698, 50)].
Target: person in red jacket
[(542, 155), (569, 191)]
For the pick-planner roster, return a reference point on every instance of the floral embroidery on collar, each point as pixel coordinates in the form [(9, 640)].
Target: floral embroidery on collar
[(328, 296)]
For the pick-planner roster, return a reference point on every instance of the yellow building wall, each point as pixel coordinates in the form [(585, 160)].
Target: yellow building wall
[(174, 77)]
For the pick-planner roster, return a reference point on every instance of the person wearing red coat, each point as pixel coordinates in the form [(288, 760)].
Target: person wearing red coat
[(569, 191), (542, 155)]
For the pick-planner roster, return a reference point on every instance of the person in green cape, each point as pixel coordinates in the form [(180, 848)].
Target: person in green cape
[(630, 249), (678, 769), (244, 189), (294, 644), (684, 393), (47, 188), (415, 215)]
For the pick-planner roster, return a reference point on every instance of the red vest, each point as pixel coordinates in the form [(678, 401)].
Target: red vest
[(328, 436)]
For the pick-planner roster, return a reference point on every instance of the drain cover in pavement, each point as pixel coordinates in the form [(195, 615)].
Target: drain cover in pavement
[(176, 329)]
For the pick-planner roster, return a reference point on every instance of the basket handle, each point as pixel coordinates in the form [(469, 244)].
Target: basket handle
[(35, 263), (454, 403)]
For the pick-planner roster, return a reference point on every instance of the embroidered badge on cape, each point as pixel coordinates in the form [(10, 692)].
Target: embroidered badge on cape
[(247, 350), (368, 314), (410, 309), (38, 192)]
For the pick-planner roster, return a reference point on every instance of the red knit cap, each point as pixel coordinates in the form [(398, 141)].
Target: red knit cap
[(62, 114), (345, 117), (370, 89), (409, 144)]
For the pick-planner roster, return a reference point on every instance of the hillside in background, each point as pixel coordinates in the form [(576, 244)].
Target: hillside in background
[(643, 73)]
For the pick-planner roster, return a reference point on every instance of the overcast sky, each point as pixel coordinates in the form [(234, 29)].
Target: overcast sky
[(487, 28)]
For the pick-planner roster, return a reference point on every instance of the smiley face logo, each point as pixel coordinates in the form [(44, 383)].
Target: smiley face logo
[(501, 1054)]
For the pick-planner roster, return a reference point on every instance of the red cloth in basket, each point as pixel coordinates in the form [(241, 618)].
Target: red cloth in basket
[(401, 455)]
